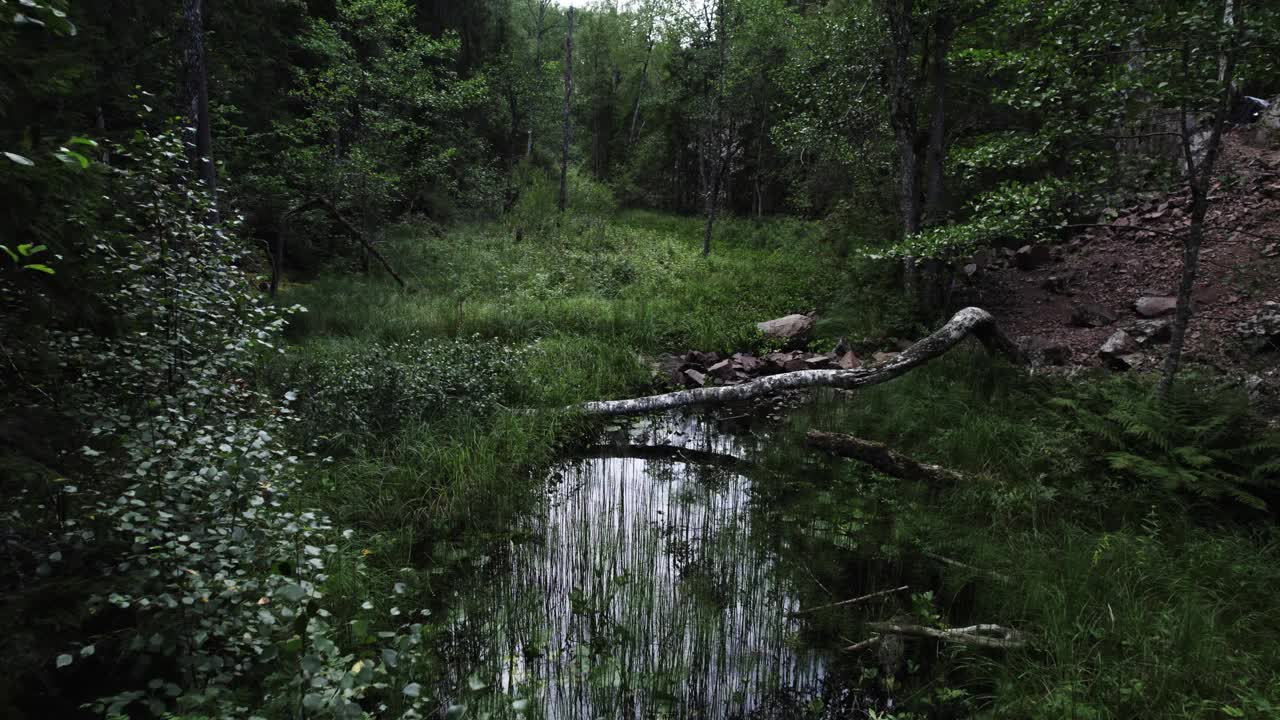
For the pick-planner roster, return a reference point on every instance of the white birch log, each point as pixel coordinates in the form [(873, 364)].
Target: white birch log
[(969, 321)]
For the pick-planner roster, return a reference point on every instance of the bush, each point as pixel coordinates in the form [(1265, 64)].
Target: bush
[(356, 393)]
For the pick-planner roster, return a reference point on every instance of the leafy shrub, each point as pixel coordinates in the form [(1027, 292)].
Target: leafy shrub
[(1203, 441), (355, 395), (201, 572)]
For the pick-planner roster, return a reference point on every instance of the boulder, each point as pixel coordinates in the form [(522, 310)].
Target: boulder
[(702, 359), (1261, 331), (1151, 306), (791, 328), (1266, 130), (1041, 351), (1119, 351), (1031, 257), (1091, 315), (1146, 332), (670, 367)]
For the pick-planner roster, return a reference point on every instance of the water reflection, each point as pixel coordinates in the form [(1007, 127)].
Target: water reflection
[(646, 594)]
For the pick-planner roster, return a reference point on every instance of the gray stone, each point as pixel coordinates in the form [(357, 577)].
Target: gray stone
[(1261, 331), (748, 363), (1119, 351), (1155, 305), (791, 327), (1145, 332), (695, 378), (848, 361), (723, 370)]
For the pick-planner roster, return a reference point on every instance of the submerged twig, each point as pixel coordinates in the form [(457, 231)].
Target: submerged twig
[(956, 563), (985, 635), (869, 596)]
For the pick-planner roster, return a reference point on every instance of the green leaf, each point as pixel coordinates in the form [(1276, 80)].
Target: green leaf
[(475, 683), (39, 267), (82, 141), (11, 253), (18, 159), (63, 660), (71, 156), (412, 690)]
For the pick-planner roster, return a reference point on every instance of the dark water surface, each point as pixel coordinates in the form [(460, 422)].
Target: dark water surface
[(645, 590)]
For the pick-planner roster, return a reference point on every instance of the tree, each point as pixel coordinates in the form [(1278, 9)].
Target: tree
[(196, 97), (1199, 174), (568, 105)]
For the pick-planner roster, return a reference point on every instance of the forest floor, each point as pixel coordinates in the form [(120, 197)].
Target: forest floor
[(1139, 254)]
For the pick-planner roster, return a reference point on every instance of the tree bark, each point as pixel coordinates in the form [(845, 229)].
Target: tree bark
[(718, 139), (880, 457), (644, 76), (902, 117), (568, 101), (1200, 183), (196, 99), (969, 321)]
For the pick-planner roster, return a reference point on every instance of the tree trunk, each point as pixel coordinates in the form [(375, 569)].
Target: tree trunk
[(1200, 183), (718, 139), (568, 100), (196, 99), (902, 117), (936, 276), (969, 321), (644, 76)]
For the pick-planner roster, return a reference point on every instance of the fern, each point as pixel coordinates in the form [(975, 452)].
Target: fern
[(1201, 442)]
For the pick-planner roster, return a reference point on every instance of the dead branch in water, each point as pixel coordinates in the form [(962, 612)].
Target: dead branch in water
[(879, 456), (870, 596), (996, 637)]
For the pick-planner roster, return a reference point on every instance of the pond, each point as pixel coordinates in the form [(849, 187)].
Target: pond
[(646, 587)]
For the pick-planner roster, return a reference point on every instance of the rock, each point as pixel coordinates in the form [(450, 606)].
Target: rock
[(1040, 351), (1261, 332), (820, 362), (702, 359), (1030, 257), (748, 363), (881, 358), (1155, 305), (1151, 331), (1266, 130), (795, 363), (1059, 284), (790, 328), (1091, 315), (723, 370), (694, 378), (848, 361), (670, 367), (1119, 351)]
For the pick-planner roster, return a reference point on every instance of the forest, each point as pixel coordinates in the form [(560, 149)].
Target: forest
[(687, 359)]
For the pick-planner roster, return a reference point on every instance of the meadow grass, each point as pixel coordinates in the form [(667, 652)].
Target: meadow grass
[(1139, 602)]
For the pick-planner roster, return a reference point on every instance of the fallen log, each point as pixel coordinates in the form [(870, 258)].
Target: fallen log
[(957, 564), (969, 321), (345, 224), (996, 637), (880, 457)]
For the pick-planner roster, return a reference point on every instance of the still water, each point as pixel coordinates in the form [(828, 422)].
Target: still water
[(645, 590)]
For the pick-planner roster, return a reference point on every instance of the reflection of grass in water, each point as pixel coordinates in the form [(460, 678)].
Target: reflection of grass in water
[(648, 595)]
